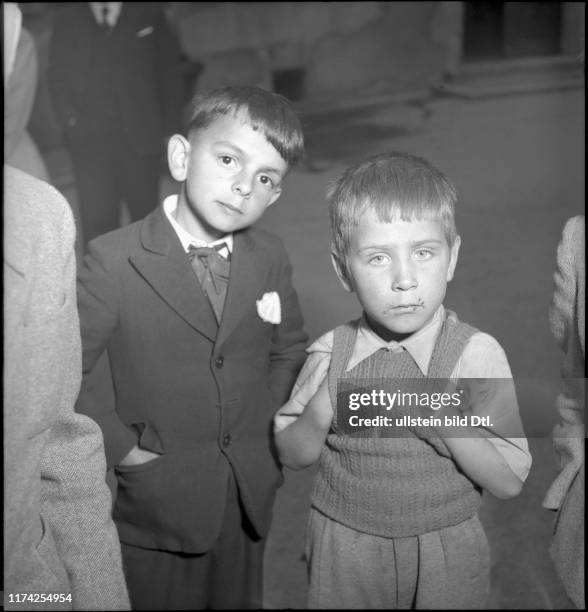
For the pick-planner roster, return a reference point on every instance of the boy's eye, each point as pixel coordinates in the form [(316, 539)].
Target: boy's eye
[(226, 160), (423, 254), (378, 260), (266, 180)]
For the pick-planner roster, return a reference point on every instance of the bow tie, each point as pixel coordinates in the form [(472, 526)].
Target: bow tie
[(213, 266), (196, 251)]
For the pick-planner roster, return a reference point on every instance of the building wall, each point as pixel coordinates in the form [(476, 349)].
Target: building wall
[(337, 48), (342, 47), (573, 29)]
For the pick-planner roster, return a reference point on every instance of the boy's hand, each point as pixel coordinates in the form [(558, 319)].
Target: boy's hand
[(137, 456), (300, 444), (320, 406)]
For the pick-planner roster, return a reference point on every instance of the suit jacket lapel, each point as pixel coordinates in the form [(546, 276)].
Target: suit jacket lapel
[(166, 267), (246, 284), (125, 28)]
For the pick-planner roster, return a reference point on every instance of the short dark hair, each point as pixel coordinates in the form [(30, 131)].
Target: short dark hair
[(270, 113), (394, 185)]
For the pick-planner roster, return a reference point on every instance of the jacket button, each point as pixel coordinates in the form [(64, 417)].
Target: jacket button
[(219, 362), (226, 439)]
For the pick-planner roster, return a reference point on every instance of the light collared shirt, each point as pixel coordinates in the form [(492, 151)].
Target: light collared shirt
[(482, 358), (419, 345), (112, 14), (170, 205)]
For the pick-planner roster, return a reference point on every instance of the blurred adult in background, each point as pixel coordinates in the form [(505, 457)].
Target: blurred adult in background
[(114, 75), (20, 151), (566, 494), (61, 548)]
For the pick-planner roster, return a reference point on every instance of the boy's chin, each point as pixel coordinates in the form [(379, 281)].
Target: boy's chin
[(396, 330), (388, 332), (223, 227)]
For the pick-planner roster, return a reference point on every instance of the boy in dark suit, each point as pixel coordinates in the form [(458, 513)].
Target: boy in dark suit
[(204, 334)]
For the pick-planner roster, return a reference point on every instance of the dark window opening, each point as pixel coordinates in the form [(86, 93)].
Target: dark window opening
[(504, 30), (289, 82)]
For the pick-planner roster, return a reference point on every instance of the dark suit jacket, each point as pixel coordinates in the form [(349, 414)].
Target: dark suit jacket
[(146, 72), (203, 399)]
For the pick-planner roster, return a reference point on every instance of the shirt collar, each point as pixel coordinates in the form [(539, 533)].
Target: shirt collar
[(114, 9), (169, 207), (420, 345)]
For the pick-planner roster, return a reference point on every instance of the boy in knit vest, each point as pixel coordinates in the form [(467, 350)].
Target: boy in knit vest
[(394, 519)]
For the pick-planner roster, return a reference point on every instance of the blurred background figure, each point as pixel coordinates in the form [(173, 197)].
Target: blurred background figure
[(114, 75), (566, 494), (447, 30), (20, 151), (60, 544)]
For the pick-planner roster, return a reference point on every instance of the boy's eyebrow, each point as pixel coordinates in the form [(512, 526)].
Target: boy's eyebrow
[(239, 151), (434, 241), (427, 241)]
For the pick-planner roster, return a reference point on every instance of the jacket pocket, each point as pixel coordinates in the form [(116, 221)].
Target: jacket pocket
[(174, 502), (138, 467)]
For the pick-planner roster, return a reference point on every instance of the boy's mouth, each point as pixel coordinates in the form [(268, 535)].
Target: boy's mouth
[(230, 208), (406, 308)]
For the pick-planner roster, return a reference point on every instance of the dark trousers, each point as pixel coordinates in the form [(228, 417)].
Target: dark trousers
[(227, 577), (108, 170)]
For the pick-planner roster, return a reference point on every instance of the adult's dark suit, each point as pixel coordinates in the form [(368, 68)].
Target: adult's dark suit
[(118, 94), (203, 395)]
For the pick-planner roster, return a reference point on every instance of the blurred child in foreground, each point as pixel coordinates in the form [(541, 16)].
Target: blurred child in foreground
[(566, 494)]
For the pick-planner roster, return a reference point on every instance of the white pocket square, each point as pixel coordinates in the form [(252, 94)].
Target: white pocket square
[(269, 308), (145, 31)]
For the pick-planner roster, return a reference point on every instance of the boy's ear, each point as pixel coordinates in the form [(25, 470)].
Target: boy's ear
[(275, 197), (341, 271), (453, 258), (178, 152)]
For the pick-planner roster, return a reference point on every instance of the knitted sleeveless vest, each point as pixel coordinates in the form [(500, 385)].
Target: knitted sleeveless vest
[(400, 486)]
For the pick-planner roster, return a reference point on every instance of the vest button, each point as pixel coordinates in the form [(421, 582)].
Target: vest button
[(219, 362), (226, 439)]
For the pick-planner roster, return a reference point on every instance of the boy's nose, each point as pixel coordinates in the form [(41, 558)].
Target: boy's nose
[(243, 185), (404, 278)]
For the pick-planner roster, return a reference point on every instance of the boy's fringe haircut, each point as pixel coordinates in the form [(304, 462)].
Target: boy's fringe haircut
[(270, 113), (397, 186)]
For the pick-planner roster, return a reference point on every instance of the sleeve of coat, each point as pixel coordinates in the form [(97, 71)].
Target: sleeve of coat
[(169, 75), (566, 317), (20, 93), (61, 66), (289, 339), (98, 297), (75, 499)]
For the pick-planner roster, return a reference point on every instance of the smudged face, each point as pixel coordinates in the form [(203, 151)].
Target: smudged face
[(399, 271)]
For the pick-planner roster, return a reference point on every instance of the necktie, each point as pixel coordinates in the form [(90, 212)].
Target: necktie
[(212, 271), (105, 11)]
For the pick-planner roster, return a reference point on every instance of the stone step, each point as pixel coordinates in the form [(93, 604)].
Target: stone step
[(524, 64), (527, 75)]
